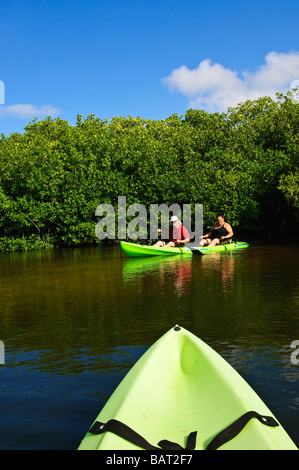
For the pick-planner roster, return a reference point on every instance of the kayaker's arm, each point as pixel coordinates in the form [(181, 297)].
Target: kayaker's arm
[(185, 236), (186, 240), (229, 230), (208, 235)]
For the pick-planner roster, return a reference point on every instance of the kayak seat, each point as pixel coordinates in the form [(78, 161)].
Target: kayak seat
[(125, 432), (226, 241)]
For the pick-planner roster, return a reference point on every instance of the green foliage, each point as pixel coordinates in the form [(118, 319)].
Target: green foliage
[(244, 162)]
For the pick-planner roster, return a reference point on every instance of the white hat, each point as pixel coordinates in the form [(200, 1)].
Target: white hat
[(174, 218)]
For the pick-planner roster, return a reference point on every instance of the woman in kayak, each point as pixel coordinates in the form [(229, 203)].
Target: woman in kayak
[(221, 232), (178, 234)]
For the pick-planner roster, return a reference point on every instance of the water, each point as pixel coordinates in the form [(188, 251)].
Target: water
[(74, 321)]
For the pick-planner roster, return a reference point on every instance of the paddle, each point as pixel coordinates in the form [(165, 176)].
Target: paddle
[(195, 250)]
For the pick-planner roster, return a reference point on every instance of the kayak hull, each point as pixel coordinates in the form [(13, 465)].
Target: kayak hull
[(204, 250), (136, 250), (179, 386)]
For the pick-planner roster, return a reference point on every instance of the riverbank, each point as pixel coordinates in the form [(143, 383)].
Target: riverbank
[(36, 243), (243, 163)]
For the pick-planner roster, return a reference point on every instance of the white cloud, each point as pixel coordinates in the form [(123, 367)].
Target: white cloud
[(215, 88), (27, 111)]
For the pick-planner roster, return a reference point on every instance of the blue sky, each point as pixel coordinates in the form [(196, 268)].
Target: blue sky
[(145, 58)]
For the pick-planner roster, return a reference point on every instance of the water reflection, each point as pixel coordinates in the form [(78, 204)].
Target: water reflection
[(74, 321), (223, 265), (178, 269)]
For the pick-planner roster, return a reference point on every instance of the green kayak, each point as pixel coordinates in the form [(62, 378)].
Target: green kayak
[(182, 395), (134, 249), (137, 250), (219, 248)]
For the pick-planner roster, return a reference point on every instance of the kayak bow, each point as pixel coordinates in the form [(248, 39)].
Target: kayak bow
[(219, 248), (182, 395)]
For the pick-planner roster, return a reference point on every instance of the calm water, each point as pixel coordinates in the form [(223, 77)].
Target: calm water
[(74, 321)]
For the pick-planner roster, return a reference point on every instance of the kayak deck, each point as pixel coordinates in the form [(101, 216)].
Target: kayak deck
[(220, 248), (134, 249), (138, 250), (182, 386)]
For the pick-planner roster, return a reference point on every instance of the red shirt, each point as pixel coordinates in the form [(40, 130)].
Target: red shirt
[(178, 233)]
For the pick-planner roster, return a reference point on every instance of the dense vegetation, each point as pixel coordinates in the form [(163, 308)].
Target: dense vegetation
[(244, 162)]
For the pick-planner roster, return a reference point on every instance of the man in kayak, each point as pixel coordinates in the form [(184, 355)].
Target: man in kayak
[(178, 234), (221, 233)]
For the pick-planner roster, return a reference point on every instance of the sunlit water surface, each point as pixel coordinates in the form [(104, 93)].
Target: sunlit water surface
[(74, 321)]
